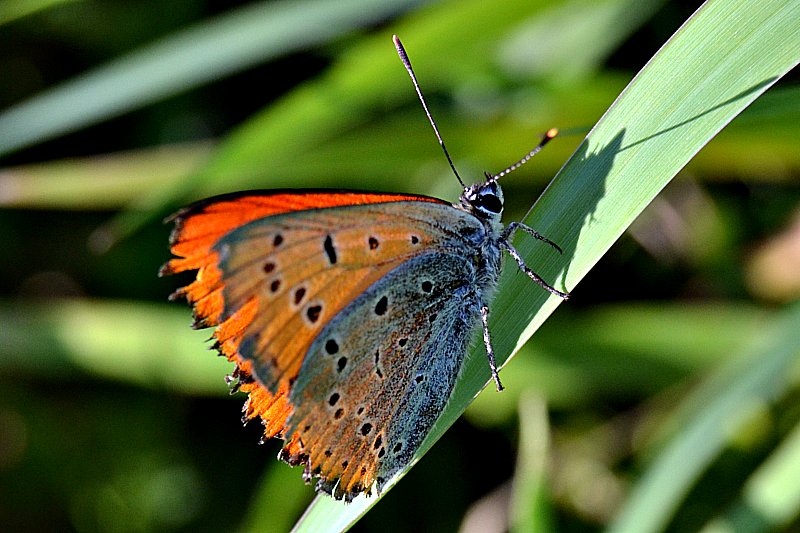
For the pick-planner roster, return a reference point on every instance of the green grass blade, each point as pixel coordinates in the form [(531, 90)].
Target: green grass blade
[(567, 47), (771, 497), (206, 51), (279, 499), (773, 489), (723, 58), (11, 10), (759, 375), (110, 181), (530, 507)]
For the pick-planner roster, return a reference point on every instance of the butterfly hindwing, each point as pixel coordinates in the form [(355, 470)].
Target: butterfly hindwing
[(383, 370)]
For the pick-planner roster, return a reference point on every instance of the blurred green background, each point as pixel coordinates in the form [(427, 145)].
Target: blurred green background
[(675, 364)]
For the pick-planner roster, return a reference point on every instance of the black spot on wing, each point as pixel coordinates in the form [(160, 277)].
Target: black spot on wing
[(382, 306), (299, 294), (377, 361), (313, 312), (330, 249), (331, 346)]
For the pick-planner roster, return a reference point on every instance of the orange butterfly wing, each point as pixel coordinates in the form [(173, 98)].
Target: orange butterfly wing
[(200, 226), (274, 281)]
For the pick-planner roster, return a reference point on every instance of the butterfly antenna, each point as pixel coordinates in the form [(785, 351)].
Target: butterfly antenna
[(551, 133), (407, 63)]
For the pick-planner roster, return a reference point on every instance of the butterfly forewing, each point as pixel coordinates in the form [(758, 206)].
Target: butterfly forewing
[(323, 260)]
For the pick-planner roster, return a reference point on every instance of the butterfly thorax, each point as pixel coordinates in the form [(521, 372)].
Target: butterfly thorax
[(484, 201)]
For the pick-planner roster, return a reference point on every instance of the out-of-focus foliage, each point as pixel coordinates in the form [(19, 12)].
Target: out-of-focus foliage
[(663, 396)]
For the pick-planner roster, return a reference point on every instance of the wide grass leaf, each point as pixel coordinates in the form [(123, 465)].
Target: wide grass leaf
[(726, 55)]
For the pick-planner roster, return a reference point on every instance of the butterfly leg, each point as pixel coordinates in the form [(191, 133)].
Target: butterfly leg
[(530, 273), (508, 232), (487, 340)]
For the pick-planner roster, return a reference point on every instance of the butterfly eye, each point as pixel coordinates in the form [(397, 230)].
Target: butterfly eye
[(489, 202)]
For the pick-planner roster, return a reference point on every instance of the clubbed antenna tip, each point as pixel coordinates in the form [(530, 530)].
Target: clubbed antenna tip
[(548, 136)]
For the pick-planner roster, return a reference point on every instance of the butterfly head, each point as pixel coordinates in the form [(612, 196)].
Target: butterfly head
[(484, 200)]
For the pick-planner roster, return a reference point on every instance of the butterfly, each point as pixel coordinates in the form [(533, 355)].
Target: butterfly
[(347, 314)]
